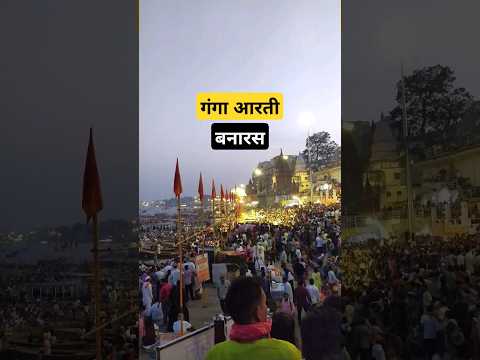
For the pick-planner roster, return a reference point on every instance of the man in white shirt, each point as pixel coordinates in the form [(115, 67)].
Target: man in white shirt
[(319, 244), (190, 264), (260, 250), (265, 237), (314, 292), (174, 276), (222, 290), (332, 278), (188, 275), (298, 253), (176, 325), (287, 288)]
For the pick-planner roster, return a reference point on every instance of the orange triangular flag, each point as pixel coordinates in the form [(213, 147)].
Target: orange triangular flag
[(200, 188), (214, 193), (92, 196), (177, 182)]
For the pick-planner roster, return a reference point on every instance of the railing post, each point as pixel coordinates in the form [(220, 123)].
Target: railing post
[(219, 329)]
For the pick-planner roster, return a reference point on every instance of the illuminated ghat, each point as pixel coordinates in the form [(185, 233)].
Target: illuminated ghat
[(284, 180)]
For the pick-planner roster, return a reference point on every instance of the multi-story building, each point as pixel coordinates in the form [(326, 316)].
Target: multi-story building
[(445, 179), (301, 177), (286, 177), (385, 176), (327, 183), (447, 189)]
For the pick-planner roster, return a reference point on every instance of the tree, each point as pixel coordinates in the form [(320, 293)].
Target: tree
[(433, 103), (323, 150)]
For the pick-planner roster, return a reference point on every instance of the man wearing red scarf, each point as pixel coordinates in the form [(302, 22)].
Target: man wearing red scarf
[(250, 334)]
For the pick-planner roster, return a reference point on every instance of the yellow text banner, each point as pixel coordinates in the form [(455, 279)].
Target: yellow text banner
[(239, 106)]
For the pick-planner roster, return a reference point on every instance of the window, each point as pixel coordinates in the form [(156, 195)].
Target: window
[(397, 176), (399, 193), (389, 194)]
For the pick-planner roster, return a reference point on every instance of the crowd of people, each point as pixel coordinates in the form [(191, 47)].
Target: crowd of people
[(381, 299), (292, 255), (48, 304), (412, 299), (289, 288), (159, 291)]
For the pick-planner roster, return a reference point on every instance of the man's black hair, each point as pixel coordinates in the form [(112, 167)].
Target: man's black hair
[(243, 297)]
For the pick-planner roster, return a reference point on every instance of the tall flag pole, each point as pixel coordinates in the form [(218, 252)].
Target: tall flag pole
[(222, 198), (407, 158), (227, 214), (236, 201), (177, 189), (222, 204), (232, 197), (201, 196), (92, 204), (200, 189), (214, 195)]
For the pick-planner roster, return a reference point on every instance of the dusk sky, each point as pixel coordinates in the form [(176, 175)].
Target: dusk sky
[(377, 35), (188, 47), (61, 74)]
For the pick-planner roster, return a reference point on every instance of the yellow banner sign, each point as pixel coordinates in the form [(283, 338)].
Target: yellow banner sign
[(203, 273), (239, 106)]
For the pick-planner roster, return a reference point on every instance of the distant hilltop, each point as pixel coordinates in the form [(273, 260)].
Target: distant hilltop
[(109, 229)]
